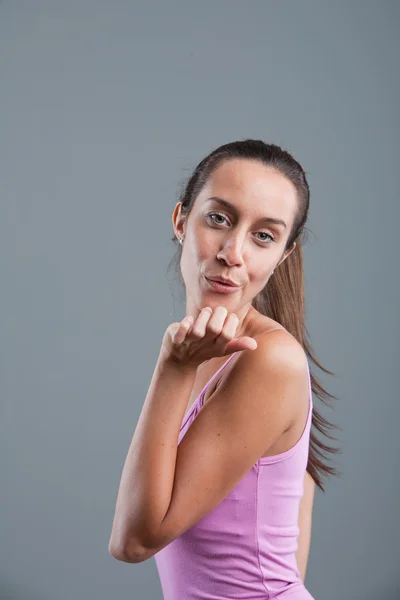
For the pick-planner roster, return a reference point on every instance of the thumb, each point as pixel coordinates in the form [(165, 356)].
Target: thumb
[(243, 343)]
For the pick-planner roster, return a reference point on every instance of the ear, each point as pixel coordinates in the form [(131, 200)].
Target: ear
[(291, 249), (178, 220), (288, 253)]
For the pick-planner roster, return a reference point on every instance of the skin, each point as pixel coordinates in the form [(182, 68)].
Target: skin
[(227, 246), (233, 245), (154, 504)]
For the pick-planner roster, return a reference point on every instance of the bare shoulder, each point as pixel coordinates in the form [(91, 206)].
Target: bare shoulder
[(278, 363), (277, 343), (274, 338), (279, 356)]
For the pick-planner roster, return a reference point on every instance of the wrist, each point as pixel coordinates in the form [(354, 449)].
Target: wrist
[(174, 365)]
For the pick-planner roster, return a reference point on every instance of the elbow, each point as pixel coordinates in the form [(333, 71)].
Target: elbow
[(126, 553)]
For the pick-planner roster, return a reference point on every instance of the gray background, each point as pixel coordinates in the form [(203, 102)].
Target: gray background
[(105, 109)]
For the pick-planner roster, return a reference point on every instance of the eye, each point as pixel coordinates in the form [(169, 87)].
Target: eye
[(216, 215), (271, 239), (265, 241)]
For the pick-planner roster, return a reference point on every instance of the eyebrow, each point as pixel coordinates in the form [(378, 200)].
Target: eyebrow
[(234, 210)]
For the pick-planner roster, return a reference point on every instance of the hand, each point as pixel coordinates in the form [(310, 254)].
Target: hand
[(191, 342)]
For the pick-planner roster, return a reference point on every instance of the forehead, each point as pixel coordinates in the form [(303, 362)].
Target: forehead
[(251, 186)]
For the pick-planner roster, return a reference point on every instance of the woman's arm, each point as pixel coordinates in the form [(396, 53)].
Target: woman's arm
[(147, 478), (150, 476), (165, 490), (304, 524)]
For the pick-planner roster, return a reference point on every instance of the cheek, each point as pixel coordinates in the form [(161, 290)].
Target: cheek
[(258, 273), (193, 256), (203, 245)]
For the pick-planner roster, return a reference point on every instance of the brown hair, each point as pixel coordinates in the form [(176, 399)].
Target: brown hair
[(282, 299)]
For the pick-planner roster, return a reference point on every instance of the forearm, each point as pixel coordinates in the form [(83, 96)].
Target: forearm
[(303, 549), (305, 525), (302, 567), (147, 478)]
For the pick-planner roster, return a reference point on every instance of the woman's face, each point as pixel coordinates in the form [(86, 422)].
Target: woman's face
[(233, 239)]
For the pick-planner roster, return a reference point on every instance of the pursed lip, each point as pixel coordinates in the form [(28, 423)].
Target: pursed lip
[(225, 281)]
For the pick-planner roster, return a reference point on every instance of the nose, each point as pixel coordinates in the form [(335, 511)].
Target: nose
[(232, 252)]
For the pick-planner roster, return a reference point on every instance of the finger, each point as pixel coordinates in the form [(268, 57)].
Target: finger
[(180, 334), (229, 329), (199, 326), (242, 343), (247, 342), (216, 324)]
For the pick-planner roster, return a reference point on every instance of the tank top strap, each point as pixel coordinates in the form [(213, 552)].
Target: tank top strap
[(217, 372)]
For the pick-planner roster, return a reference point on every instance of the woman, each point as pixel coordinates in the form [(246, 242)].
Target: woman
[(218, 483)]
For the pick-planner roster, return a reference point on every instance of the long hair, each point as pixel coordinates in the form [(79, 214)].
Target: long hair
[(282, 299)]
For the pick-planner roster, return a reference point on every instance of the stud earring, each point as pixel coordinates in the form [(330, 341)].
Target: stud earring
[(181, 240)]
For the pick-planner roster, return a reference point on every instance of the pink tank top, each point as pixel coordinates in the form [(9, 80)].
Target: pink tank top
[(245, 548)]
